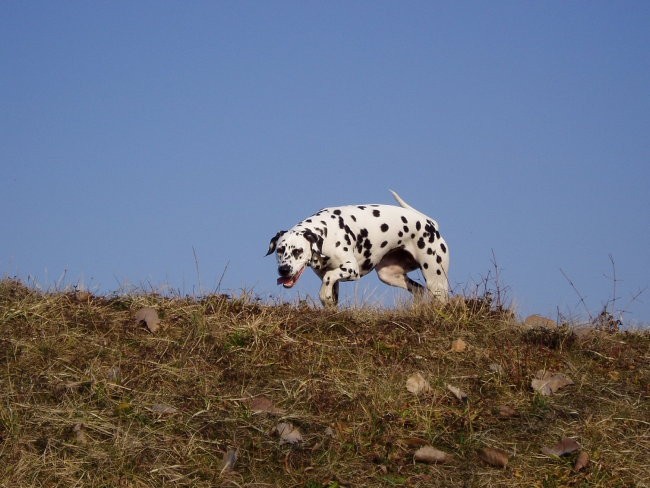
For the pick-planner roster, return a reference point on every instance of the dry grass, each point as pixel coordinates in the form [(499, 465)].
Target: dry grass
[(90, 398)]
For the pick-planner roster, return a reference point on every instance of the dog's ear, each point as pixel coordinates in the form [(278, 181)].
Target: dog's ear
[(315, 240), (274, 241)]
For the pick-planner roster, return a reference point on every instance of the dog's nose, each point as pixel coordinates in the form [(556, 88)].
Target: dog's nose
[(284, 270)]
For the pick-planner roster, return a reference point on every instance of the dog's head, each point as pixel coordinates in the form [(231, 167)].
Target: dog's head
[(296, 249)]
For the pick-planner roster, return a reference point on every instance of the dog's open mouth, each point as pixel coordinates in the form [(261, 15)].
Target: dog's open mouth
[(289, 281)]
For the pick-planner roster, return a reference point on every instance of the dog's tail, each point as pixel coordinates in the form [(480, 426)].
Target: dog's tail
[(401, 202)]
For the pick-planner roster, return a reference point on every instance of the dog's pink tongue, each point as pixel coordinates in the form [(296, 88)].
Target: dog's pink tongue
[(287, 282)]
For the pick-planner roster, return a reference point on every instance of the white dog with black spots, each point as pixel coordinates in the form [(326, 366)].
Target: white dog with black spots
[(345, 243)]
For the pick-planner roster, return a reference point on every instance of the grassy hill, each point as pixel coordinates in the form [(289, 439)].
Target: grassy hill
[(229, 392)]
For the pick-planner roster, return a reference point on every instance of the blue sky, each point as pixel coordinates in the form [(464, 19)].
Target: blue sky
[(141, 141)]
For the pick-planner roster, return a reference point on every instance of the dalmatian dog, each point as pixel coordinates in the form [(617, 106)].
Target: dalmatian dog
[(345, 243)]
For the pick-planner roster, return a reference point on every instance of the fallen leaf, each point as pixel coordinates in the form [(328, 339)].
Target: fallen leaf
[(431, 455), (458, 345), (533, 321), (79, 431), (114, 375), (547, 383), (82, 296), (506, 412), (496, 368), (228, 461), (150, 318), (413, 442), (162, 409), (565, 446), (417, 384), (289, 434), (582, 461), (494, 457), (458, 393), (263, 404)]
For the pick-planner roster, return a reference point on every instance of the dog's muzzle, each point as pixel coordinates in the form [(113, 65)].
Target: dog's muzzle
[(285, 278)]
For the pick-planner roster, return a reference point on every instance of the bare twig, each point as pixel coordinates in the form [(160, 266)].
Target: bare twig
[(196, 264), (223, 273), (582, 300)]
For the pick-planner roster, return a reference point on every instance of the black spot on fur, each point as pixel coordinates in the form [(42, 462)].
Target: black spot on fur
[(438, 272), (443, 248), (425, 265), (438, 259), (404, 220), (353, 218), (384, 244), (384, 227), (361, 207), (337, 212), (376, 213), (418, 225), (421, 243)]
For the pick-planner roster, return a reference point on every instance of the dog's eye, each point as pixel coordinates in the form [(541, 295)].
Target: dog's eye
[(297, 253), (280, 250)]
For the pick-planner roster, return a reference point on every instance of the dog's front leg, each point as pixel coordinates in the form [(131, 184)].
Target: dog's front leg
[(329, 290)]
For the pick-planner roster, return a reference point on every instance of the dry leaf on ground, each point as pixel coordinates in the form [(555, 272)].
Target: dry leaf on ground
[(458, 393), (535, 320), (565, 446), (494, 457), (263, 404), (496, 368), (547, 383), (431, 455), (582, 461), (228, 461), (458, 345), (114, 375), (289, 434), (162, 409), (417, 384), (412, 442), (79, 431), (506, 412), (150, 318), (82, 296)]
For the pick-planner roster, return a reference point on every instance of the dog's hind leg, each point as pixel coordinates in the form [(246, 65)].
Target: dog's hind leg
[(394, 266)]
